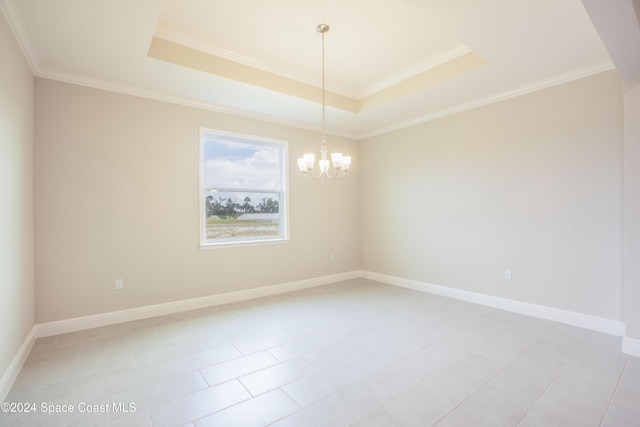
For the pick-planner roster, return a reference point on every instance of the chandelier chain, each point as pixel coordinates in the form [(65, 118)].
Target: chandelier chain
[(323, 90)]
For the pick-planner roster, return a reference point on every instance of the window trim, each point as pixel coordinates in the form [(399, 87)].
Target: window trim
[(284, 236)]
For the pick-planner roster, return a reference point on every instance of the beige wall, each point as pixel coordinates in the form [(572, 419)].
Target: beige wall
[(116, 189), (532, 184), (632, 209), (16, 198)]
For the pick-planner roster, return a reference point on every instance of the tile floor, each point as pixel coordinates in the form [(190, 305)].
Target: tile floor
[(356, 353)]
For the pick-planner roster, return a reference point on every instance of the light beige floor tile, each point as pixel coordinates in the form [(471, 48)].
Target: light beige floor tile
[(168, 351), (427, 362), (316, 386), (543, 357), (264, 342), (369, 362), (104, 385), (158, 392), (349, 327), (523, 381), (197, 405), (592, 376), (627, 394), (381, 418), (424, 404), (323, 413), (238, 367), (554, 411), (618, 416), (503, 347), (276, 376), (605, 340), (370, 394), (332, 355), (84, 414), (352, 353), (488, 407), (300, 347), (137, 419), (381, 335), (203, 359), (435, 397), (256, 412), (226, 335)]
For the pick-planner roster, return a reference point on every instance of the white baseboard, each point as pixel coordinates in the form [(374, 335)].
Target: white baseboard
[(10, 375), (631, 346), (586, 321), (105, 319)]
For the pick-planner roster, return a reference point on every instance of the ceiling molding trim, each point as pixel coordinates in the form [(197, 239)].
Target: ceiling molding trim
[(185, 56), (188, 102), (455, 67), (163, 32), (156, 95), (441, 59), (480, 102), (12, 15), (173, 36)]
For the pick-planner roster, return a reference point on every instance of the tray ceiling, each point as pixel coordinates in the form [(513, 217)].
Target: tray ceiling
[(389, 63)]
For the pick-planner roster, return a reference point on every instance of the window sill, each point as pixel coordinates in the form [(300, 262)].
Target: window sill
[(223, 245)]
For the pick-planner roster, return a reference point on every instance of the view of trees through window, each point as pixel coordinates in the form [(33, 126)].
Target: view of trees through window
[(225, 208), (242, 188)]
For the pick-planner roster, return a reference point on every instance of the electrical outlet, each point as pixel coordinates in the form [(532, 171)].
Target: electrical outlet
[(332, 257), (119, 284), (507, 275)]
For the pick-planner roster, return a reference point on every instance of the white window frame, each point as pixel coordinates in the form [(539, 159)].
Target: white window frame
[(283, 202)]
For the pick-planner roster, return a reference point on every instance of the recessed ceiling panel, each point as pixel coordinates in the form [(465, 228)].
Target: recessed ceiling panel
[(371, 44)]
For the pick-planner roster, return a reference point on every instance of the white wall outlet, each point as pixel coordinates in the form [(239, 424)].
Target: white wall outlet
[(507, 275), (332, 257), (119, 284)]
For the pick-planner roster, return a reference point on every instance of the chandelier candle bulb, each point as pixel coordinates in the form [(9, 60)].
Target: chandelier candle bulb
[(336, 160), (305, 163), (346, 162), (309, 160)]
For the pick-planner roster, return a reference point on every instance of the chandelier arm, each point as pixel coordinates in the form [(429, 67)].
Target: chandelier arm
[(338, 174), (310, 176)]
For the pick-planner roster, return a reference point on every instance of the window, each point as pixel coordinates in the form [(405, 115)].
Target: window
[(243, 182)]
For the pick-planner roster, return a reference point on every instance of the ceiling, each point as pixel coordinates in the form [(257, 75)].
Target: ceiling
[(389, 63)]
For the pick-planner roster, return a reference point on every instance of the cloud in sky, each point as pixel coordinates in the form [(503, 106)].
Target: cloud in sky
[(233, 164)]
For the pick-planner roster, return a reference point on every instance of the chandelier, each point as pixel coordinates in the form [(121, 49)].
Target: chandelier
[(340, 163)]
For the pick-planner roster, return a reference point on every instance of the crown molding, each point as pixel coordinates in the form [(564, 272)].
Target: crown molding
[(156, 95), (12, 15), (559, 79), (443, 58), (455, 109)]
